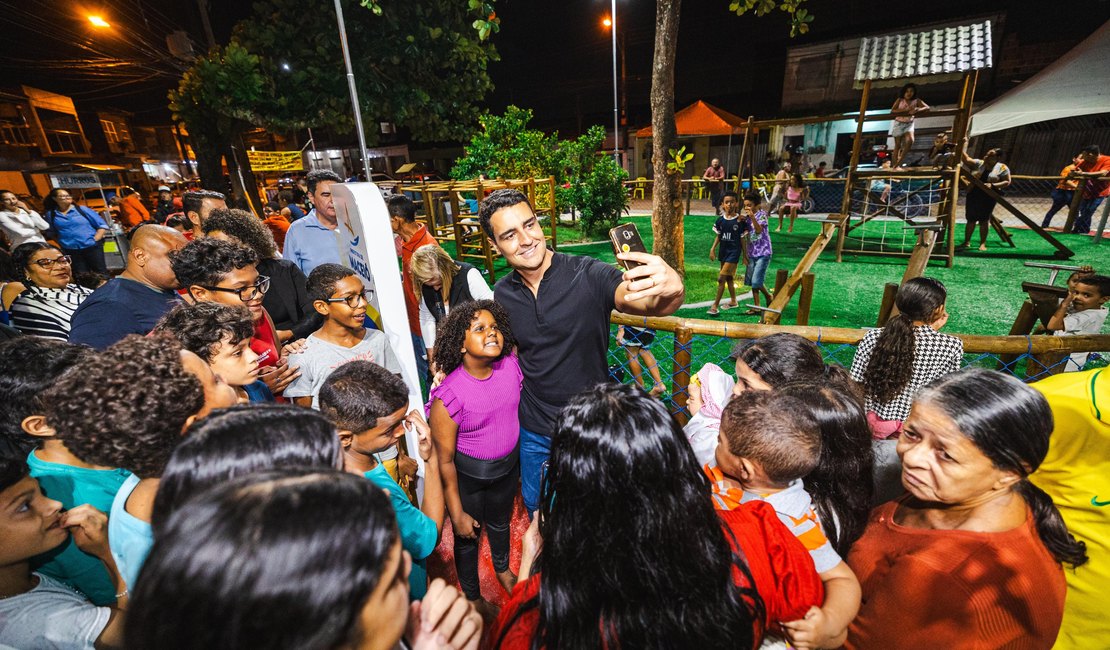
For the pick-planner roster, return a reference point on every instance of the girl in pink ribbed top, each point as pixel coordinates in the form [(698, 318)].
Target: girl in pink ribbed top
[(473, 415)]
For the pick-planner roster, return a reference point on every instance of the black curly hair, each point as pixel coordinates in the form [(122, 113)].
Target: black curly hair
[(451, 333), (245, 227), (204, 262), (202, 327), (126, 407), (321, 282), (31, 365)]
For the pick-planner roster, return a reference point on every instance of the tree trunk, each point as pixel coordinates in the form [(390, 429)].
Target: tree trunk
[(666, 217), (209, 163), (242, 178)]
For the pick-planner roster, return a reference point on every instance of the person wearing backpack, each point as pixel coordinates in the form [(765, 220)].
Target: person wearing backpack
[(79, 231)]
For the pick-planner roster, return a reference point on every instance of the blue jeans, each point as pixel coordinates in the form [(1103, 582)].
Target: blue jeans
[(1060, 198), (535, 449), (1087, 209)]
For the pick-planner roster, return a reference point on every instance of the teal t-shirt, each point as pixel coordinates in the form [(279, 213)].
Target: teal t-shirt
[(75, 486), (418, 531)]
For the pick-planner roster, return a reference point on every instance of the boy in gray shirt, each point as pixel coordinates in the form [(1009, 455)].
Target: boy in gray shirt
[(337, 294)]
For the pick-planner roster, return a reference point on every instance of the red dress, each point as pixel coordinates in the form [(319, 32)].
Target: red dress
[(780, 566)]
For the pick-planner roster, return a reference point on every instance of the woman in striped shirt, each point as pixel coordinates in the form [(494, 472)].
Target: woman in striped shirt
[(47, 304)]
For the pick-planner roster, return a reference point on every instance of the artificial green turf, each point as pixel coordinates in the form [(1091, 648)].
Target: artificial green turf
[(984, 289)]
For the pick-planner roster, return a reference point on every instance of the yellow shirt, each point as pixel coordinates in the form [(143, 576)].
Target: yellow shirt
[(1076, 474)]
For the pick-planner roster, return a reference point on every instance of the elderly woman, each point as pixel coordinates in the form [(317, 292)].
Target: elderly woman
[(49, 297), (441, 283), (79, 230), (971, 557), (287, 302)]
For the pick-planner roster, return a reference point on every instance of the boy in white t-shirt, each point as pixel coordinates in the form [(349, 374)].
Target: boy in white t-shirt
[(37, 611), (1082, 312)]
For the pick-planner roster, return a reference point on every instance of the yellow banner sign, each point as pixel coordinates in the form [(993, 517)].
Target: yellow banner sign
[(276, 161)]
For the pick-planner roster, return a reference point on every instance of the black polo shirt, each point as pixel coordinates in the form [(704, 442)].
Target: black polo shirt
[(562, 334)]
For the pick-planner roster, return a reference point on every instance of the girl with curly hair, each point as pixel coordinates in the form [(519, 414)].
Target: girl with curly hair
[(473, 414), (896, 361)]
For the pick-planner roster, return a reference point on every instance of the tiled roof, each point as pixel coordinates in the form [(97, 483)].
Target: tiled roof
[(951, 50)]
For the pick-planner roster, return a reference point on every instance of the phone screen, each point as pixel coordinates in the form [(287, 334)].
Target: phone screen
[(626, 239)]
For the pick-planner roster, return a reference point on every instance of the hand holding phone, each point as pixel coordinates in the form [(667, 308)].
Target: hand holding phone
[(625, 238)]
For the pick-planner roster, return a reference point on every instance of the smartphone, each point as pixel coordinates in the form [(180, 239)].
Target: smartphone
[(626, 239)]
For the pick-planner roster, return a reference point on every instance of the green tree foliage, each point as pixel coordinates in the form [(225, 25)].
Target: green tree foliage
[(421, 65), (214, 99), (506, 148)]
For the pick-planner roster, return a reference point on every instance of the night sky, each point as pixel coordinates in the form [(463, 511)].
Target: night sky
[(556, 56)]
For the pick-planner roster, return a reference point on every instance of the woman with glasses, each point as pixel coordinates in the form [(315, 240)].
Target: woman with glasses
[(79, 230), (50, 297)]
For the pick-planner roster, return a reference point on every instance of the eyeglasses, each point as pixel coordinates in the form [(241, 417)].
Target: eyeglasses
[(64, 260), (366, 297), (251, 292)]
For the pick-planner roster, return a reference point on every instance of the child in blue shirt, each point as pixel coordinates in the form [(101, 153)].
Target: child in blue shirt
[(369, 407), (128, 407), (31, 364)]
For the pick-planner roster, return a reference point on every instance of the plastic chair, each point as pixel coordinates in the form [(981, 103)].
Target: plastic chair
[(699, 188), (639, 187)]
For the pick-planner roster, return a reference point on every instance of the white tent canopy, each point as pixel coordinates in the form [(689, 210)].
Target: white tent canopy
[(1076, 84)]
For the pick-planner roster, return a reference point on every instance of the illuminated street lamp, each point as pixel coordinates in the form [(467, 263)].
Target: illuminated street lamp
[(619, 115), (97, 21)]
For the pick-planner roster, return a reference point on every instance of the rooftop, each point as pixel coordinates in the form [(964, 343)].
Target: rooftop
[(933, 55)]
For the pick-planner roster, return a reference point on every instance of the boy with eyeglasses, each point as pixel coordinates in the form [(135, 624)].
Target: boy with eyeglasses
[(212, 270), (338, 295)]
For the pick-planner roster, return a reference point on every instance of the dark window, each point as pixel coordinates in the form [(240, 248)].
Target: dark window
[(813, 72)]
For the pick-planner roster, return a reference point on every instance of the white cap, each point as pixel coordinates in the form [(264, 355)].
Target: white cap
[(164, 188)]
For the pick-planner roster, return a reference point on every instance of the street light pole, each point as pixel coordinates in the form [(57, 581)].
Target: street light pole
[(354, 93), (616, 99)]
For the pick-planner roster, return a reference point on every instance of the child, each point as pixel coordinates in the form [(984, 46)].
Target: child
[(32, 364), (894, 362), (1082, 312), (128, 407), (796, 192), (768, 443), (473, 414), (882, 186), (242, 440), (728, 230), (221, 335), (213, 270), (709, 391), (756, 248), (338, 295), (35, 610), (637, 342), (368, 404), (841, 484)]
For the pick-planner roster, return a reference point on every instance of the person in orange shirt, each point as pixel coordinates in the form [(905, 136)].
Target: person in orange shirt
[(132, 212), (276, 222), (412, 235), (1094, 168), (1063, 192)]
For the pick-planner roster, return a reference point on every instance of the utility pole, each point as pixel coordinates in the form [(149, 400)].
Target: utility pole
[(202, 6)]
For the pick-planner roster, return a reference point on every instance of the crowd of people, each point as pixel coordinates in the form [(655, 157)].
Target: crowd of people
[(206, 452)]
